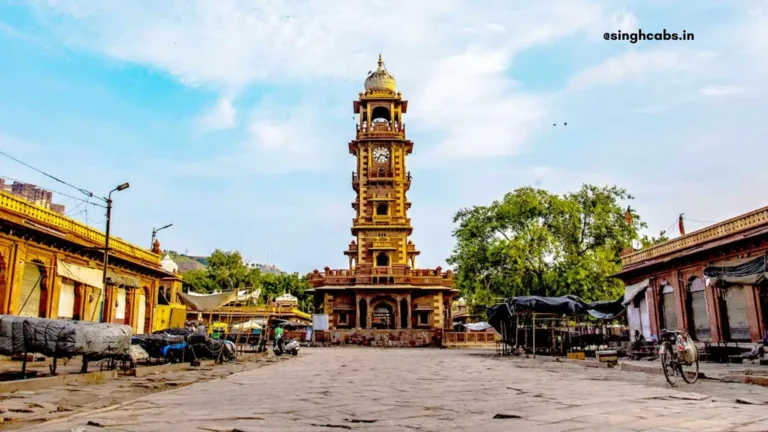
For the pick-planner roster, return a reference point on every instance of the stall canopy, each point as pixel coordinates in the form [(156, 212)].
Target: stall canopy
[(122, 280), (242, 295), (85, 275), (632, 291), (207, 302), (249, 325), (749, 271), (480, 326), (565, 305)]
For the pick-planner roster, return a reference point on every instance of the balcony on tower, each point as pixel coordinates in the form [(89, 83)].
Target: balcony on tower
[(380, 128)]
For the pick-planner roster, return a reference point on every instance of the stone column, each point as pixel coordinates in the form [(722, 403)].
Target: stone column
[(369, 312), (16, 271), (357, 310), (753, 314), (713, 312), (410, 312), (397, 313)]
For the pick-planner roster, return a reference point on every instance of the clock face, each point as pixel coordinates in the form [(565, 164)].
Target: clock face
[(380, 154)]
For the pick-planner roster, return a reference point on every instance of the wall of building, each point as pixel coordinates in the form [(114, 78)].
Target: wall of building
[(679, 274), (380, 338), (347, 303), (16, 254)]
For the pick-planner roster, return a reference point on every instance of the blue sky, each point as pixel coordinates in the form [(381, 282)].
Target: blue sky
[(231, 119)]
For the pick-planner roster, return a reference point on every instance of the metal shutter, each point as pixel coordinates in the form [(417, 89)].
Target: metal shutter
[(645, 318), (120, 312), (142, 316), (670, 312), (67, 299), (29, 301), (736, 307), (700, 315)]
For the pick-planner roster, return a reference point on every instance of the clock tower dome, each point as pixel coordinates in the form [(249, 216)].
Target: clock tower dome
[(382, 289)]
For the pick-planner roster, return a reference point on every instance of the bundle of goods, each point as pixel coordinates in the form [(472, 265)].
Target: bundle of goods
[(62, 338), (136, 354), (159, 345), (199, 345)]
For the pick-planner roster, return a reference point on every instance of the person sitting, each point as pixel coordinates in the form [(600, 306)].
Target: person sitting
[(639, 340)]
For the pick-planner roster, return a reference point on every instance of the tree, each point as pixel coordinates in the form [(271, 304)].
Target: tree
[(646, 241), (276, 285), (533, 242), (227, 271)]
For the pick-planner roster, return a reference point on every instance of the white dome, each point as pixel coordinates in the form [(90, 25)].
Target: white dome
[(169, 265), (287, 297)]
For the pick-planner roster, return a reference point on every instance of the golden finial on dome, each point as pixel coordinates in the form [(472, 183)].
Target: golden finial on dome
[(380, 80)]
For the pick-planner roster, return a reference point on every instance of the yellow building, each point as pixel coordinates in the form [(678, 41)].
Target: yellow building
[(52, 266)]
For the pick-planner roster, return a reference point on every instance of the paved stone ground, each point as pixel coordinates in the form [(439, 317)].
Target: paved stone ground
[(368, 389), (23, 408)]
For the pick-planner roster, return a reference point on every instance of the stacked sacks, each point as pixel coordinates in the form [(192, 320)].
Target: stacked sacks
[(62, 338)]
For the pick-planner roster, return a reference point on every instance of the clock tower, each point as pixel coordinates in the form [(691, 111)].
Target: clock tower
[(382, 289), (381, 225)]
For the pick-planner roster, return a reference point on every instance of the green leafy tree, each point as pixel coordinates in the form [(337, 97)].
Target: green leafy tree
[(227, 271), (291, 283), (533, 242)]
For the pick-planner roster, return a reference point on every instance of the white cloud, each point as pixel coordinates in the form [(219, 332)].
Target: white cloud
[(469, 99), (452, 62), (223, 115), (638, 66), (728, 90)]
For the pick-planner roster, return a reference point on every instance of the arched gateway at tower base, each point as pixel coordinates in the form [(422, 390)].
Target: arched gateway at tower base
[(381, 299)]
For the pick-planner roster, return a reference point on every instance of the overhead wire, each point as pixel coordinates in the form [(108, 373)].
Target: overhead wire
[(85, 192), (57, 192)]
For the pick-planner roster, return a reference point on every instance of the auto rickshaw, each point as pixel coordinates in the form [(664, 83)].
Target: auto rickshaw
[(217, 330)]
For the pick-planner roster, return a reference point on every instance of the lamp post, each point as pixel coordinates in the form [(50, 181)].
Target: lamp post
[(122, 187), (154, 234)]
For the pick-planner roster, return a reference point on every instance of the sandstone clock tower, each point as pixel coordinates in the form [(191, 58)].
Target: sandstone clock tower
[(382, 289)]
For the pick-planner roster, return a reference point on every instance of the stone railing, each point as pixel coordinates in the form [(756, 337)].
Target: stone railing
[(388, 221), (723, 229), (459, 339), (261, 310), (381, 275), (384, 129), (69, 226), (383, 245)]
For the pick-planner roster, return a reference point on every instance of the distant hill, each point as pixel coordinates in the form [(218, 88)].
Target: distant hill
[(191, 262)]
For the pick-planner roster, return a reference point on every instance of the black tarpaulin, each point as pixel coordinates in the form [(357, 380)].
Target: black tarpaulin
[(565, 305), (750, 271), (498, 313), (606, 309)]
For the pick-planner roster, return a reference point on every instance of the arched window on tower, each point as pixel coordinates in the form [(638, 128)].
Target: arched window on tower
[(380, 114), (382, 209), (382, 260)]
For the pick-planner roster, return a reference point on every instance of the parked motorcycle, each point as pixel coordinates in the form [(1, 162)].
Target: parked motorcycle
[(281, 347)]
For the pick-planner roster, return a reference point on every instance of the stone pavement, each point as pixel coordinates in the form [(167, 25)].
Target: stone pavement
[(369, 389)]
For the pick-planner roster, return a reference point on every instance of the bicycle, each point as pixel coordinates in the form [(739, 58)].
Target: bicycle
[(679, 357)]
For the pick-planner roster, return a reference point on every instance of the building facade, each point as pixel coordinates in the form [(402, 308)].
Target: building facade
[(33, 194), (51, 266), (382, 288), (711, 282)]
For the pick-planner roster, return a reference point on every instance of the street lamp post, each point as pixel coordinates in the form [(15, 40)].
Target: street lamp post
[(154, 234), (122, 187)]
